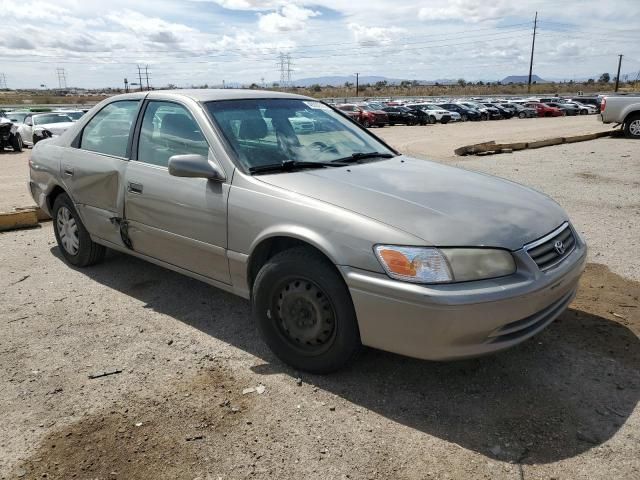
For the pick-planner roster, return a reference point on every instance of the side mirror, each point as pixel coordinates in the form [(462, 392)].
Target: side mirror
[(195, 166)]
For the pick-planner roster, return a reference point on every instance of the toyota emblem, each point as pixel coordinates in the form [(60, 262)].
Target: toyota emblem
[(559, 246)]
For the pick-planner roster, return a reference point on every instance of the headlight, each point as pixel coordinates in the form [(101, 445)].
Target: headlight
[(433, 265)]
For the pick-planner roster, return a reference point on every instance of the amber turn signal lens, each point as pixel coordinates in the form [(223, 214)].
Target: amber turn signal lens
[(398, 263)]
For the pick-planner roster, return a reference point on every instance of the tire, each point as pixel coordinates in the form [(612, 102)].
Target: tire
[(485, 116), (314, 289), (16, 143), (522, 115), (464, 118), (365, 123), (432, 119), (632, 126), (444, 122), (584, 112), (67, 226)]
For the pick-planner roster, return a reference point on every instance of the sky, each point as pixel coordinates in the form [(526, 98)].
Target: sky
[(195, 42)]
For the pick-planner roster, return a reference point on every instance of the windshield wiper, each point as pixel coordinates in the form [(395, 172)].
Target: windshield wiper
[(288, 165), (355, 157)]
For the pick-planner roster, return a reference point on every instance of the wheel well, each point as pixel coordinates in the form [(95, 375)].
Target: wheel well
[(631, 115), (270, 247), (51, 198)]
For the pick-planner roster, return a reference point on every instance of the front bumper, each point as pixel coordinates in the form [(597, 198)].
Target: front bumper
[(443, 322)]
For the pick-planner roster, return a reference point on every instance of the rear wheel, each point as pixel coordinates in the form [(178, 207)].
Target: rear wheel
[(304, 311), (464, 118), (522, 115), (632, 127), (365, 123), (432, 119), (73, 239)]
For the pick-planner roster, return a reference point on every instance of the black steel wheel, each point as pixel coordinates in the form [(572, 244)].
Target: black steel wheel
[(304, 311)]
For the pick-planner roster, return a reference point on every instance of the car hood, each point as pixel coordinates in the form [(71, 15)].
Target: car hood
[(56, 128), (444, 206)]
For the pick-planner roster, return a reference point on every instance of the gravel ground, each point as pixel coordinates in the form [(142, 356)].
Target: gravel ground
[(563, 405)]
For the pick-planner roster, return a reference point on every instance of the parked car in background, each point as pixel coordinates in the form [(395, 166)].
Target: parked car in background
[(582, 109), (39, 126), (545, 110), (595, 101), (337, 243), (365, 115), (504, 112), (521, 111), (398, 114), (372, 117), (567, 108), (624, 110), (17, 117), (465, 113), (72, 114), (423, 116), (436, 113), (9, 136), (486, 112)]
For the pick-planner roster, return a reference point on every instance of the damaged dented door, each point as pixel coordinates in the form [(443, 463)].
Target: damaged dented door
[(181, 221), (93, 173)]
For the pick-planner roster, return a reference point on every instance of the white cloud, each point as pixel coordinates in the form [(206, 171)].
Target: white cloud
[(288, 18), (372, 36), (470, 11)]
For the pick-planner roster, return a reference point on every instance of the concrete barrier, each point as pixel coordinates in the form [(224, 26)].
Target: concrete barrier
[(18, 219), (487, 148)]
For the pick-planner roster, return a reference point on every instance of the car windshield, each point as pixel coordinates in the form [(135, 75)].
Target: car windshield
[(50, 118), (73, 115), (17, 117), (272, 131)]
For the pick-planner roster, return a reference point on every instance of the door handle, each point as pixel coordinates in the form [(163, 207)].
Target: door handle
[(134, 188), (67, 170)]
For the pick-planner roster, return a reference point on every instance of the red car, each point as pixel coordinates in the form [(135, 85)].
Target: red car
[(365, 116), (545, 110)]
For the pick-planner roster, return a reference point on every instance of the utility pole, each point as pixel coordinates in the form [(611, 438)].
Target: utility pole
[(533, 46), (357, 84), (3, 81), (139, 77), (618, 75), (126, 86), (146, 72)]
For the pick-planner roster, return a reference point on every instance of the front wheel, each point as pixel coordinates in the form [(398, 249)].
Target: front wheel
[(16, 143), (522, 115), (365, 123), (73, 239), (304, 311), (464, 118)]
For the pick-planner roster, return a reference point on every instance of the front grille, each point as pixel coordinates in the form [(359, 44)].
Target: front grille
[(552, 248)]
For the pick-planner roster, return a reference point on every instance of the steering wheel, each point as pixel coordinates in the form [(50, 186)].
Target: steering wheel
[(322, 147)]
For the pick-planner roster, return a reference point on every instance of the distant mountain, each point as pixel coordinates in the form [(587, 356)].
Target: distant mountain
[(522, 79), (338, 81)]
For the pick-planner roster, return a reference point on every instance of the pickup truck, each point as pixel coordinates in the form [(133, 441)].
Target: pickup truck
[(624, 110)]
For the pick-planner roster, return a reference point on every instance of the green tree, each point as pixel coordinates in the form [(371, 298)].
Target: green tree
[(604, 78), (462, 82)]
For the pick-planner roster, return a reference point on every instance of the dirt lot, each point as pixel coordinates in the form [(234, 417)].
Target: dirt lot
[(563, 405)]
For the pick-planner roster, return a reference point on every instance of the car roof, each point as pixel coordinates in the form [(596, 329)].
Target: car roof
[(210, 94)]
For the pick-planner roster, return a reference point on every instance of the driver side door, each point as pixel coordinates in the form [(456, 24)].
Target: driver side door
[(180, 221)]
